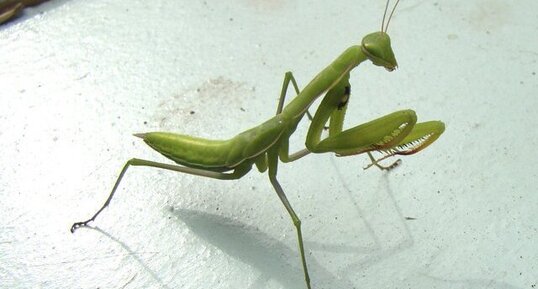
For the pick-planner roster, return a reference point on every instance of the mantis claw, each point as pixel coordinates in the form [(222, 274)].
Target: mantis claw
[(80, 224)]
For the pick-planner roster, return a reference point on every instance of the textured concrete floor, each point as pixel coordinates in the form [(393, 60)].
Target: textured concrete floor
[(77, 78)]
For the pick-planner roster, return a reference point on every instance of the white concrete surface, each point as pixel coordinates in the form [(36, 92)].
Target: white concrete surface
[(77, 78)]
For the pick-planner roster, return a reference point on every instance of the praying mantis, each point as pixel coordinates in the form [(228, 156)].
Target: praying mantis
[(265, 145)]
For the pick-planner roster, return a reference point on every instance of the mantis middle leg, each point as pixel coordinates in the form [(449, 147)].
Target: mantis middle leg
[(288, 77), (375, 162), (284, 150)]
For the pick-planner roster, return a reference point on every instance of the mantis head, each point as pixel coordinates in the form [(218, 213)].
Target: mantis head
[(376, 46)]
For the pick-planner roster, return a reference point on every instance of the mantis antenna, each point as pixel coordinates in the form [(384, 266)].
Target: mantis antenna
[(390, 16), (384, 15)]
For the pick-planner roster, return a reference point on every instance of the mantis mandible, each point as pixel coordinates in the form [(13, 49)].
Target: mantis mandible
[(397, 133)]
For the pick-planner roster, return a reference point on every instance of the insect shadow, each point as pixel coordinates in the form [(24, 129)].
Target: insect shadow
[(271, 257), (242, 242), (133, 254), (378, 251), (275, 260), (261, 251)]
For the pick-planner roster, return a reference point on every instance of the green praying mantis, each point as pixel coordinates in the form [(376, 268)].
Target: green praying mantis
[(394, 134)]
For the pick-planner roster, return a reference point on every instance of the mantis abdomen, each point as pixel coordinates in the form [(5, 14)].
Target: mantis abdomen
[(216, 155)]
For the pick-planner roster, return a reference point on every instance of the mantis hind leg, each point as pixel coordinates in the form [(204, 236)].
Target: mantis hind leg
[(236, 174), (273, 166)]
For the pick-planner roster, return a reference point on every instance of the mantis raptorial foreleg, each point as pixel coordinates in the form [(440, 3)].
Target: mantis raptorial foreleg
[(395, 133), (358, 139)]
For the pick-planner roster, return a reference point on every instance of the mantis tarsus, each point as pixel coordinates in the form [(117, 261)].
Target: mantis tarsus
[(397, 133)]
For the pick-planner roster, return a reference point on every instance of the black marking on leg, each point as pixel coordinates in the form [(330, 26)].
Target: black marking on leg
[(343, 102)]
